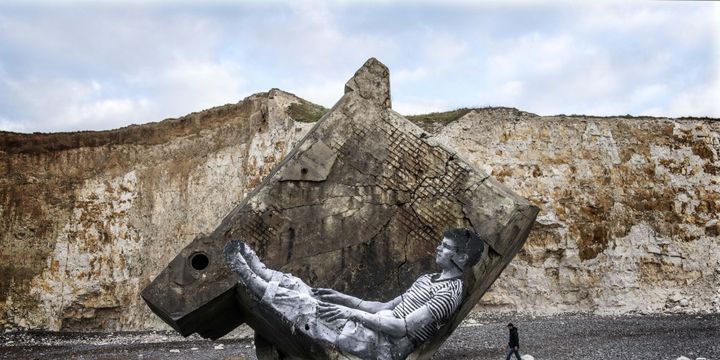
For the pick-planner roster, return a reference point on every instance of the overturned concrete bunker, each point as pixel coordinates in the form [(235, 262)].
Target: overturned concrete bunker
[(341, 211)]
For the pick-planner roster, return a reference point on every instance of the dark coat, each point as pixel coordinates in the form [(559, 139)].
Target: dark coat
[(514, 338)]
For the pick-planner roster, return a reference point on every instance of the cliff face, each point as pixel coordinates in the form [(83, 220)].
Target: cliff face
[(629, 209), (628, 222), (86, 227)]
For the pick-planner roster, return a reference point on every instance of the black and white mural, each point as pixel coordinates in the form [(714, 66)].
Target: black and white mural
[(365, 328)]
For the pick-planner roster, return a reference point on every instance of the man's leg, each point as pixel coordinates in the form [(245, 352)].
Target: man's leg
[(294, 303), (269, 275), (257, 266), (239, 265), (517, 354), (509, 353)]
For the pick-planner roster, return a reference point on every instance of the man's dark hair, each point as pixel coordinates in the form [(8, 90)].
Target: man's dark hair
[(468, 243), (511, 325)]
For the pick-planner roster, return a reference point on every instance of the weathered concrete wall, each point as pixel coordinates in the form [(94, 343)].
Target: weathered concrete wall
[(628, 222)]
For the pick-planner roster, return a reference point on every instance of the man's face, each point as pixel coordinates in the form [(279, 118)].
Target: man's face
[(444, 253)]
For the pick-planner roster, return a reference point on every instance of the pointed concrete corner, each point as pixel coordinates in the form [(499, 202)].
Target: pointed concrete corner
[(371, 82)]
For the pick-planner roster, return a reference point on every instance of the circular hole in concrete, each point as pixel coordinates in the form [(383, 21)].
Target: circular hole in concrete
[(304, 171), (199, 261)]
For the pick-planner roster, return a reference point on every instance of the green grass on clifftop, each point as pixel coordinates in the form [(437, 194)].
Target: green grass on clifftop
[(433, 121), (306, 111)]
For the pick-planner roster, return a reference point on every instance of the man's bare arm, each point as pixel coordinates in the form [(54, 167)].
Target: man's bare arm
[(336, 297), (387, 324), (376, 306), (393, 326)]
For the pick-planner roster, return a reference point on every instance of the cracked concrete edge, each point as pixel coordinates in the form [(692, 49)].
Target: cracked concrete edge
[(371, 82), (372, 67)]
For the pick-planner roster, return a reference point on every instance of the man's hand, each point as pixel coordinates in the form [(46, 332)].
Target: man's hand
[(332, 312), (329, 295)]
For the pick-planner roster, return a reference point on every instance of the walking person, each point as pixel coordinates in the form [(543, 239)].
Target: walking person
[(514, 343)]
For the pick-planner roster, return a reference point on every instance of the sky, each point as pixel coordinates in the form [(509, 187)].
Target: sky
[(96, 65)]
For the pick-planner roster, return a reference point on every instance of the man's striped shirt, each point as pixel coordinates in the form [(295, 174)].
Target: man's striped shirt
[(442, 297)]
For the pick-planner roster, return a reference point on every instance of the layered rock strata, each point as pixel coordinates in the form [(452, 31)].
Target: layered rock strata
[(88, 218), (629, 209)]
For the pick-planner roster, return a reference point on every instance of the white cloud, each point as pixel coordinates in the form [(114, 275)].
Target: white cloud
[(533, 53), (311, 36), (512, 89), (187, 86), (697, 101), (62, 104), (682, 22), (404, 75), (444, 49), (326, 92), (110, 67), (648, 93), (414, 106), (623, 16), (439, 54), (99, 67), (100, 113), (6, 125), (117, 38), (545, 73)]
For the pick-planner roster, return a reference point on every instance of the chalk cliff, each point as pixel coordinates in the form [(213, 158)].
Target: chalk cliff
[(629, 209), (628, 221)]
